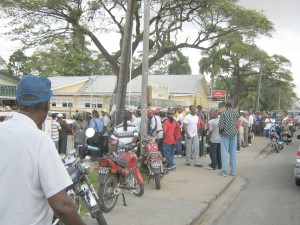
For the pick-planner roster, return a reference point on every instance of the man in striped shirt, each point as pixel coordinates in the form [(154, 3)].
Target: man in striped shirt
[(55, 127), (126, 132)]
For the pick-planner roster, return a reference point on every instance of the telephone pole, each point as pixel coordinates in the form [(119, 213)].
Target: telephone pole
[(258, 89), (145, 69)]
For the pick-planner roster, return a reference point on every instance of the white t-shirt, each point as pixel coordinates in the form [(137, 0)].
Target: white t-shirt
[(180, 119), (55, 127), (106, 122), (268, 123), (192, 124), (125, 137), (30, 172), (251, 120), (156, 121)]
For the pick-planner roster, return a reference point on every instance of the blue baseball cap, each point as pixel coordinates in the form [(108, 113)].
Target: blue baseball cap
[(39, 87)]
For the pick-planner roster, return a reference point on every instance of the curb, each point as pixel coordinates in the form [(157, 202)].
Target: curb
[(211, 202)]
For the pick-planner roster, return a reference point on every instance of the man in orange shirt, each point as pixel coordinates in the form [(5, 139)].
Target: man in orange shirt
[(169, 139)]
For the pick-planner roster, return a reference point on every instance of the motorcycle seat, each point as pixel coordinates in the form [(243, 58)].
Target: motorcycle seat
[(120, 162)]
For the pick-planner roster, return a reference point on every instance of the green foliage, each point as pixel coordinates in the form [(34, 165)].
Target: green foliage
[(34, 22), (67, 59), (179, 64), (17, 64)]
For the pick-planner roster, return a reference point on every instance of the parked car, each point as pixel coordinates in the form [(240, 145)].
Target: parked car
[(297, 165)]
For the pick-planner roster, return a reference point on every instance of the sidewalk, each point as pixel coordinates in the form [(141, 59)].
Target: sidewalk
[(185, 193)]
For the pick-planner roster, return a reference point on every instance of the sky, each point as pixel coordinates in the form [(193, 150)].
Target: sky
[(285, 41), (285, 16)]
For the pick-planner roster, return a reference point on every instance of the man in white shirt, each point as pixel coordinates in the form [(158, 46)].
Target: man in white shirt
[(33, 177), (154, 128), (179, 118), (191, 129)]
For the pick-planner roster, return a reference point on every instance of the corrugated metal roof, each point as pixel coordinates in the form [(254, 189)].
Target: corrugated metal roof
[(178, 84), (65, 81), (101, 83)]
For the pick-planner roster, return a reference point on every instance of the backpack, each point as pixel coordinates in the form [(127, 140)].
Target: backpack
[(177, 132)]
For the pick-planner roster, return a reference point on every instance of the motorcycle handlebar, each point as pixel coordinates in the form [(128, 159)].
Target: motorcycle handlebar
[(89, 147)]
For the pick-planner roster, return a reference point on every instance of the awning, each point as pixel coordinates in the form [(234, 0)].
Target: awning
[(7, 92)]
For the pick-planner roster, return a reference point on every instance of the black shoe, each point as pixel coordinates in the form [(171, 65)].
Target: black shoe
[(188, 164)]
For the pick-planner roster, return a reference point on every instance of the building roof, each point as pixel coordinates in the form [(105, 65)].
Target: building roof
[(178, 84), (105, 84), (100, 83), (65, 81)]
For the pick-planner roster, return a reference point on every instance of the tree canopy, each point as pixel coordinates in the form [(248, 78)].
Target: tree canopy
[(238, 64), (173, 24)]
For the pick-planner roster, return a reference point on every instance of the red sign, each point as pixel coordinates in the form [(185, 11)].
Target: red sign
[(218, 95)]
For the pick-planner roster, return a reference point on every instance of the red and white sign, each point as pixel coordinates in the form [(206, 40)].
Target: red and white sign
[(218, 95)]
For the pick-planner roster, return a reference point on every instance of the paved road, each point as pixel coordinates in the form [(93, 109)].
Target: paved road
[(185, 195), (264, 193)]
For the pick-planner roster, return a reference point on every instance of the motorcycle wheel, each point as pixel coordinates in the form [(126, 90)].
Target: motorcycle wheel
[(139, 188), (101, 220), (275, 147), (157, 181), (106, 193)]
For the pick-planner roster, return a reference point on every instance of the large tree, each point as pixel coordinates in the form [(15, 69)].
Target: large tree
[(35, 22), (173, 24), (244, 71)]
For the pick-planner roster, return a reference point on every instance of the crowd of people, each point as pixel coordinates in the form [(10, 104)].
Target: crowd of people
[(43, 177), (218, 132)]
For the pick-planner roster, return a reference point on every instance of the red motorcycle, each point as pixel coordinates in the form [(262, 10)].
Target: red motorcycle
[(119, 174), (153, 160)]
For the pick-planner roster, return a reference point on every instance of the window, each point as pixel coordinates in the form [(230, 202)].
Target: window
[(86, 102), (61, 101)]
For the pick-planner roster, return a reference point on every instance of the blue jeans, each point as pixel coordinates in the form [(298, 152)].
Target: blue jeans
[(228, 145), (215, 155), (190, 144), (267, 133), (178, 148), (169, 151)]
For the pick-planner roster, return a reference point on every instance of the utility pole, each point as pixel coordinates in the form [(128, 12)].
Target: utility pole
[(145, 70), (258, 89), (125, 62)]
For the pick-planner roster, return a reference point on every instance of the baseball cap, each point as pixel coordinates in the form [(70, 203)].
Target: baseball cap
[(170, 112), (103, 110), (39, 87), (60, 115), (89, 111), (150, 111)]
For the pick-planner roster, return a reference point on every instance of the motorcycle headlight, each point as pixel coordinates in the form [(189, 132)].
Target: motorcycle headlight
[(86, 167), (71, 193)]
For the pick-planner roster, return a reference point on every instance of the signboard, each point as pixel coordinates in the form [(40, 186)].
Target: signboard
[(218, 95), (160, 91)]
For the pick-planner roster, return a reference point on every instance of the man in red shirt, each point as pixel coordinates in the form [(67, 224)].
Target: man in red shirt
[(169, 139)]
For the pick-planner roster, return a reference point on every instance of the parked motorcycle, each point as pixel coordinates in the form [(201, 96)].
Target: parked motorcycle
[(82, 189), (275, 143), (119, 174), (285, 134), (153, 160)]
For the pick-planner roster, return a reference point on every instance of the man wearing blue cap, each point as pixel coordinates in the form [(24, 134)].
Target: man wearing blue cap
[(33, 178)]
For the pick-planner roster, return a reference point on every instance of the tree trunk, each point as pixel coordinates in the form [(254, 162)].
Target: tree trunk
[(125, 62)]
